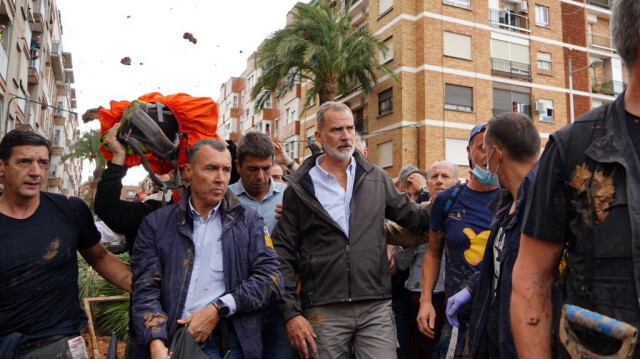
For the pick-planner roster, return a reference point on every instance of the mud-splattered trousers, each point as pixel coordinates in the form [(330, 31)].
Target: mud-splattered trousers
[(162, 262), (587, 194)]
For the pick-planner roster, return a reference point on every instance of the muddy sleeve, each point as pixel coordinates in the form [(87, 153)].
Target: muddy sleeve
[(149, 320), (265, 276), (546, 214), (286, 242), (399, 236)]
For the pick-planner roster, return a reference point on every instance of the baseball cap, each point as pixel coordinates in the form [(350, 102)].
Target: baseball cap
[(477, 129)]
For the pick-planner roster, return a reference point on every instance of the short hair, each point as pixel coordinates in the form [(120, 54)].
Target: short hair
[(456, 168), (516, 133), (624, 24), (361, 140), (215, 144), (21, 138), (405, 172), (331, 105), (256, 144)]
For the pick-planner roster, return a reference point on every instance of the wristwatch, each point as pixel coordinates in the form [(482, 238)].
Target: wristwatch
[(222, 308), (291, 164), (423, 190)]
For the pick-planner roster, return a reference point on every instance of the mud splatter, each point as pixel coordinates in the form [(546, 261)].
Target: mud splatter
[(533, 321), (600, 188), (317, 318), (126, 61), (152, 320), (52, 250)]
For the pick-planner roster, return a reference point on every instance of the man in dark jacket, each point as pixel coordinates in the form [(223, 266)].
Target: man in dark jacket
[(585, 198), (206, 262), (331, 234), (513, 147)]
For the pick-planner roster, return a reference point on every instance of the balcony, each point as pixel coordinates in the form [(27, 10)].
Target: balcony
[(602, 3), (600, 42), (509, 20), (56, 61), (362, 125), (606, 86), (39, 16), (511, 69)]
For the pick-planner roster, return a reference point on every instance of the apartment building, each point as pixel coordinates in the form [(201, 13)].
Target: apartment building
[(36, 76), (460, 62)]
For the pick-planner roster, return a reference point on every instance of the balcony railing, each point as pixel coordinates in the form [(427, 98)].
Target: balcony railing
[(362, 125), (602, 3), (510, 68), (606, 86), (600, 42), (509, 20)]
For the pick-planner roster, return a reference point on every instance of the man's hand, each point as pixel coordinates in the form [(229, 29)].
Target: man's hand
[(159, 350), (281, 156), (278, 211), (301, 335), (392, 259), (417, 180), (115, 147), (202, 323), (427, 319)]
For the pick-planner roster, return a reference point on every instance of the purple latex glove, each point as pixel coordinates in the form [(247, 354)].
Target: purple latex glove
[(454, 303)]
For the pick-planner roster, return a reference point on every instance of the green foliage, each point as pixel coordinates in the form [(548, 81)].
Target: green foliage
[(112, 317), (88, 147), (321, 46)]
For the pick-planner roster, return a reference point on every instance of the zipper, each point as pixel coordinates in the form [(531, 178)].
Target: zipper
[(348, 271)]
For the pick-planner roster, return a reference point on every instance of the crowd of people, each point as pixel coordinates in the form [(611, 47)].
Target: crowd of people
[(257, 256)]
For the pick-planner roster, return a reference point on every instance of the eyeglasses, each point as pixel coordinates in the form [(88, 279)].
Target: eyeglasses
[(278, 177)]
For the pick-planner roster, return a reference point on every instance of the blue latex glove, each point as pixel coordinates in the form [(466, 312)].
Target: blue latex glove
[(454, 303)]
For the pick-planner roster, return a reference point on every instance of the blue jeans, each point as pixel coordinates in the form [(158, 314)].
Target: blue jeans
[(275, 342), (212, 349)]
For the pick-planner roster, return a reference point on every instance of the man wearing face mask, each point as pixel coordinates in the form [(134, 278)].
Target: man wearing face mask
[(460, 223), (513, 144)]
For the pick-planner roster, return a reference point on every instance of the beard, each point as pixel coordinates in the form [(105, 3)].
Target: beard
[(340, 155)]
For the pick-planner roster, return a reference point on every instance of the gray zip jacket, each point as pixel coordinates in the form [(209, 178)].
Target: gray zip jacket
[(335, 268)]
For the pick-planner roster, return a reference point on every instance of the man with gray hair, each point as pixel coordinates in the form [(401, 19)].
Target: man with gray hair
[(585, 199), (331, 234)]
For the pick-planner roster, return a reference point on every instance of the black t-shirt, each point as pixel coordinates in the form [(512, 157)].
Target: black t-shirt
[(39, 268), (633, 129)]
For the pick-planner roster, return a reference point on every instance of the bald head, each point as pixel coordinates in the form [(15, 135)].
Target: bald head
[(442, 175)]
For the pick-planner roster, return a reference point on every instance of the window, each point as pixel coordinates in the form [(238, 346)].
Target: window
[(510, 55), (511, 101), (384, 58), (459, 3), (275, 127), (385, 5), (459, 98), (385, 102), (542, 16), (544, 60), (546, 110), (247, 114), (455, 151), (457, 45), (250, 82), (291, 148), (235, 101), (385, 154)]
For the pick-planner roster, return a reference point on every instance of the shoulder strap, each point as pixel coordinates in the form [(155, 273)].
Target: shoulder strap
[(451, 200)]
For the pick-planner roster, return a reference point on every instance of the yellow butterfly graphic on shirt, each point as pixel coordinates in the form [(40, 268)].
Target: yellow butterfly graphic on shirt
[(474, 254)]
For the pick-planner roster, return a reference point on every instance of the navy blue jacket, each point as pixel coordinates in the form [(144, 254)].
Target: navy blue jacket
[(162, 262), (482, 282)]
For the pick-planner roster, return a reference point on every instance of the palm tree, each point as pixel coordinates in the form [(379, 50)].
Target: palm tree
[(321, 46), (88, 147)]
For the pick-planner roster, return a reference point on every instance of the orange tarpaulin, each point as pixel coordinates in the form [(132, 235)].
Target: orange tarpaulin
[(197, 117)]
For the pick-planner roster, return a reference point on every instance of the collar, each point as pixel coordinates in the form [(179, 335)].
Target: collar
[(351, 168), (198, 215), (273, 188)]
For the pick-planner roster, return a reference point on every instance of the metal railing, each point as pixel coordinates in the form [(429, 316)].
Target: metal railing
[(600, 41), (510, 68), (606, 86), (362, 125), (602, 3), (509, 20)]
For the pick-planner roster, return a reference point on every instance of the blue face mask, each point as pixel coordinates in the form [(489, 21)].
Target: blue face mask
[(485, 176)]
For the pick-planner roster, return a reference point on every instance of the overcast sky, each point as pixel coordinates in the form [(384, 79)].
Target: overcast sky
[(150, 32)]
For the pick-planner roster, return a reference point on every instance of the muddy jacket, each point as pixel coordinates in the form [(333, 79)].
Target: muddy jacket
[(335, 268), (602, 172), (162, 263), (482, 282)]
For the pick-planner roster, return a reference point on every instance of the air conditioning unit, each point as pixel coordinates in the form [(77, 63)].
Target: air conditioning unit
[(540, 107), (522, 7)]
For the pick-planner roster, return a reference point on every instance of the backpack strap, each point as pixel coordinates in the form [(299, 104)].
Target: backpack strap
[(451, 200)]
